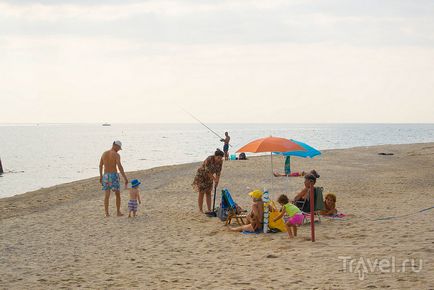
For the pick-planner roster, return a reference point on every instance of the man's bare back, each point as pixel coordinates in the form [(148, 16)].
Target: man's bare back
[(109, 160)]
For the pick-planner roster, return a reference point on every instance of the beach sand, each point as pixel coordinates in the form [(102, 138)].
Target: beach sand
[(58, 237)]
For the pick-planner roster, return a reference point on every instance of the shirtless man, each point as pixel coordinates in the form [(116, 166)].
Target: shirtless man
[(110, 180), (226, 145)]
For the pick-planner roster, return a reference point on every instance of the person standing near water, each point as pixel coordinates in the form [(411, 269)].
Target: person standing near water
[(207, 174), (226, 145), (110, 181)]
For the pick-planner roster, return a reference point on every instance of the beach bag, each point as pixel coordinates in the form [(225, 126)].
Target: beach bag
[(279, 224), (222, 213)]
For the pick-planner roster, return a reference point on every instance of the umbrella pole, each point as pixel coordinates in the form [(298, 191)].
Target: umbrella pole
[(288, 159), (312, 212), (272, 172)]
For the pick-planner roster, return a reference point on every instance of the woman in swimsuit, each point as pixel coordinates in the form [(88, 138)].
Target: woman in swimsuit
[(309, 181)]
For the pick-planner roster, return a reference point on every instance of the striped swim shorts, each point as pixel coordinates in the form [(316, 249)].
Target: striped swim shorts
[(132, 205)]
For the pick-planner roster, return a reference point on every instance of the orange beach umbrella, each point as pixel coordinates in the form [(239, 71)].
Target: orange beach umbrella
[(276, 144), (271, 144)]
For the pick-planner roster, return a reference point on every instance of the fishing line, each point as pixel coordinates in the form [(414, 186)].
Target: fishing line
[(191, 115), (404, 215)]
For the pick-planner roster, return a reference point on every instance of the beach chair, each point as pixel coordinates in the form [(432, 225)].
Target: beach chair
[(233, 210), (317, 207)]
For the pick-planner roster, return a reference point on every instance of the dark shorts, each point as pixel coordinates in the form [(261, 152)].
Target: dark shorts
[(226, 148)]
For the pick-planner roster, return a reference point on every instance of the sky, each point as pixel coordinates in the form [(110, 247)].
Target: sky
[(235, 61)]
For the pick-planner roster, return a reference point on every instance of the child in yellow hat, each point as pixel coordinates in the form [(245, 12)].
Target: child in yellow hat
[(256, 216)]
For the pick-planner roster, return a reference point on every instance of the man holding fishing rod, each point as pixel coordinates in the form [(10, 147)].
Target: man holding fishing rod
[(226, 145)]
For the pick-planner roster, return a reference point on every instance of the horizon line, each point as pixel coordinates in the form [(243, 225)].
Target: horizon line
[(191, 123)]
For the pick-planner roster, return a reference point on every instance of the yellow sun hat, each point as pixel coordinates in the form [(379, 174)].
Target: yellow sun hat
[(256, 193)]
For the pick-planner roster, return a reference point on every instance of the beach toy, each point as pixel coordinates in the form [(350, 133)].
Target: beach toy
[(233, 157)]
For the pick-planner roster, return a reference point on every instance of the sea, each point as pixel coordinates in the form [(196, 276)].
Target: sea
[(37, 156)]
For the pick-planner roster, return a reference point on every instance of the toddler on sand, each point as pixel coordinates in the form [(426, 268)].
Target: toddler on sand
[(134, 197), (294, 215)]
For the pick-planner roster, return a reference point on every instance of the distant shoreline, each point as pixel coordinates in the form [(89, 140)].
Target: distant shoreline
[(224, 123), (254, 155), (56, 159)]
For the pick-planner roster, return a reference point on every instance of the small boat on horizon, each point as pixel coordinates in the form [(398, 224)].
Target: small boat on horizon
[(106, 124)]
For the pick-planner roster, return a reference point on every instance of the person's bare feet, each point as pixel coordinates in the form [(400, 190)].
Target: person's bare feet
[(120, 214), (107, 214)]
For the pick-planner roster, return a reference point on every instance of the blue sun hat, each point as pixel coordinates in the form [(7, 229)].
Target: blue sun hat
[(135, 183)]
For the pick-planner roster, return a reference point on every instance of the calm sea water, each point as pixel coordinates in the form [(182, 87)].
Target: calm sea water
[(36, 156)]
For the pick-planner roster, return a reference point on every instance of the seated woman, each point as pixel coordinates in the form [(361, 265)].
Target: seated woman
[(256, 215), (309, 182), (330, 205)]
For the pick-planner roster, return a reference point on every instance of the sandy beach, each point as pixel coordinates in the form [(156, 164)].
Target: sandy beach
[(58, 237)]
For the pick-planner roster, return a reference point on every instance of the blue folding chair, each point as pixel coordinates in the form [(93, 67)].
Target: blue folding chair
[(233, 210)]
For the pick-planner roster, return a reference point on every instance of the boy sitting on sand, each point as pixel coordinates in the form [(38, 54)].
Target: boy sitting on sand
[(134, 197)]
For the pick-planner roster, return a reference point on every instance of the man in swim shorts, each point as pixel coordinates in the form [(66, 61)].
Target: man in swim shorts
[(226, 145), (111, 162)]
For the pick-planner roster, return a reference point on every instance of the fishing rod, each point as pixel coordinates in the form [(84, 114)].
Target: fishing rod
[(191, 115)]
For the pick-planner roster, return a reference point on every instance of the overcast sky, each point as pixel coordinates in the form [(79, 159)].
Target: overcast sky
[(224, 61)]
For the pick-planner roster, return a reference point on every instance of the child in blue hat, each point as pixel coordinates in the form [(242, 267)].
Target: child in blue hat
[(134, 197)]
